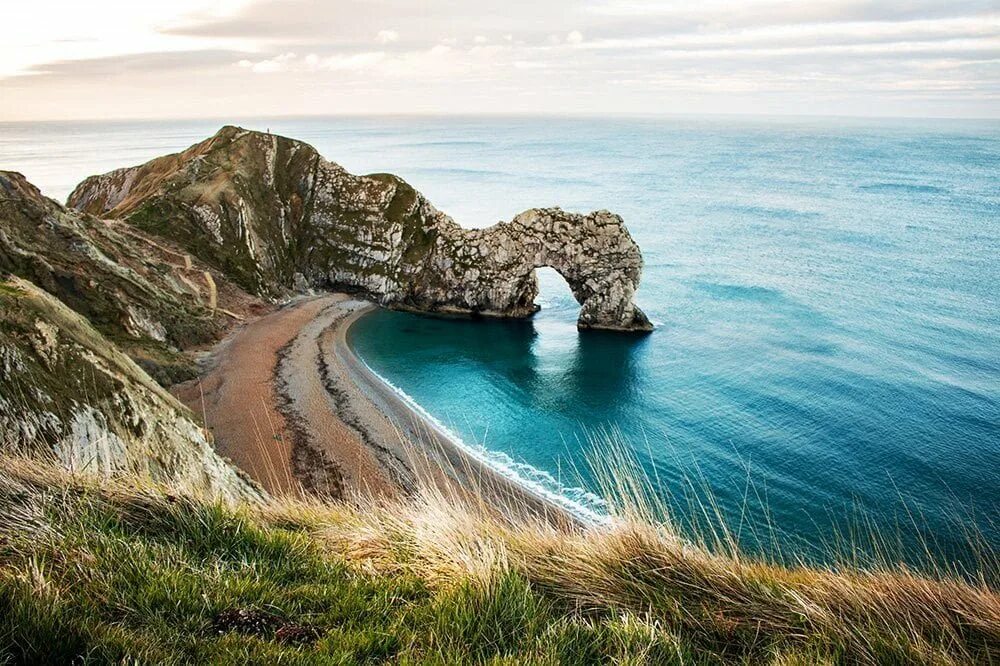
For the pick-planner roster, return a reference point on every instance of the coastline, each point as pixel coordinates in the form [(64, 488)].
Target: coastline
[(266, 406), (430, 449), (289, 401)]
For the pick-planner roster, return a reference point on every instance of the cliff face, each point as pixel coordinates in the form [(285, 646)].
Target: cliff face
[(276, 216), (147, 295), (237, 200), (83, 303), (68, 392)]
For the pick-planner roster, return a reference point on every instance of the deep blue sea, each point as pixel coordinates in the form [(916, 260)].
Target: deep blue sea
[(826, 294)]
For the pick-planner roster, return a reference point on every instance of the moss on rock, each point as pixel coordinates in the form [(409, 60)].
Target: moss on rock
[(147, 295), (70, 393)]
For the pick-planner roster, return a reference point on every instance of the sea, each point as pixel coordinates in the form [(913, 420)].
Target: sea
[(823, 381)]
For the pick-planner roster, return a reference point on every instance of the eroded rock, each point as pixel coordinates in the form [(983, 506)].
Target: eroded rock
[(145, 293), (275, 216), (69, 393)]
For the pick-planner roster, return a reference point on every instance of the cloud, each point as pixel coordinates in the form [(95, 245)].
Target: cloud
[(819, 34), (290, 62), (438, 61), (340, 22), (276, 64), (626, 55), (134, 63), (735, 13)]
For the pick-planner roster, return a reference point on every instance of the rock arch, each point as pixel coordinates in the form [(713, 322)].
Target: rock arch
[(275, 216), (492, 271)]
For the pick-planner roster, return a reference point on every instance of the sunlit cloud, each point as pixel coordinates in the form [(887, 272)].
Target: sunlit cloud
[(623, 56), (387, 36)]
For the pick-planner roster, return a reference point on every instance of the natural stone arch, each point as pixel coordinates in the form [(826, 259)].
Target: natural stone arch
[(598, 259), (492, 271), (276, 216)]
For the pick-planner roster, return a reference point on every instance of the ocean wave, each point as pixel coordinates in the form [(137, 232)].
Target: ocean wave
[(903, 187), (459, 171), (739, 292), (456, 142), (579, 502), (770, 212)]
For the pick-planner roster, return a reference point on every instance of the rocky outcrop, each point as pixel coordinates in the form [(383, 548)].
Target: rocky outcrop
[(148, 295), (67, 392), (275, 216), (83, 304)]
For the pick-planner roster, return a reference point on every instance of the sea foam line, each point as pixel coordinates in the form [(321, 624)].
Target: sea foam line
[(537, 481)]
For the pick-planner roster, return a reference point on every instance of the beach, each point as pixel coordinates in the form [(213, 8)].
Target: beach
[(816, 285), (288, 401)]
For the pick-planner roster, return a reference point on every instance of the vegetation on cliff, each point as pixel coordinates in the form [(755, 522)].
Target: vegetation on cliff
[(150, 297), (275, 216), (125, 538), (129, 572), (93, 319), (68, 392)]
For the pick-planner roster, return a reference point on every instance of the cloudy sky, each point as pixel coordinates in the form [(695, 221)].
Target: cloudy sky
[(232, 58)]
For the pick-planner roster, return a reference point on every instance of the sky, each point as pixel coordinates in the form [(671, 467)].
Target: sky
[(241, 58)]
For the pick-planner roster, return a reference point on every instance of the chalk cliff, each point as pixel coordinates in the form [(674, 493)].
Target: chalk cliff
[(76, 294), (275, 216), (148, 295), (69, 393)]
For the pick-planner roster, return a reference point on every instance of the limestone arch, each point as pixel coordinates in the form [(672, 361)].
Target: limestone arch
[(596, 257)]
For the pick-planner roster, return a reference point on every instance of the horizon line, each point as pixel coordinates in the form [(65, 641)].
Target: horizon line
[(506, 114)]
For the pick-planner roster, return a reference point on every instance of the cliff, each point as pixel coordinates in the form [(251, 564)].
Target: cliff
[(275, 216), (147, 295), (84, 303), (69, 393)]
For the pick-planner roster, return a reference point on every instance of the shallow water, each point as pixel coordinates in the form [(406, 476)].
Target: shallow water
[(826, 294)]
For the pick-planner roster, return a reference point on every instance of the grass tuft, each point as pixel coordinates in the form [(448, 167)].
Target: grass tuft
[(119, 572)]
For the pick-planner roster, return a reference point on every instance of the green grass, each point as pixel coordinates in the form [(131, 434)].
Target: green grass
[(126, 573), (111, 578)]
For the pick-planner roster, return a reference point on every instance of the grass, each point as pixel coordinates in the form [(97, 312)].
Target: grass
[(130, 572)]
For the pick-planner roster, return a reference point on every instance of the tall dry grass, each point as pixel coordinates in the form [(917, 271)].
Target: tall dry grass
[(641, 565), (631, 572)]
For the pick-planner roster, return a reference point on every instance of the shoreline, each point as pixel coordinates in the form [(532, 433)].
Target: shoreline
[(289, 402), (472, 470)]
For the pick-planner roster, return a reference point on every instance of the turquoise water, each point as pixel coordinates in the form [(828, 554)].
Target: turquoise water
[(826, 295)]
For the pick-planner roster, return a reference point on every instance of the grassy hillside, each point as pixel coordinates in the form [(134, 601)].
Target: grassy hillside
[(132, 572)]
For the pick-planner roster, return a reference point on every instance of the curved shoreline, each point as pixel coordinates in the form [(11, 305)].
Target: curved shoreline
[(429, 448), (264, 398), (289, 401)]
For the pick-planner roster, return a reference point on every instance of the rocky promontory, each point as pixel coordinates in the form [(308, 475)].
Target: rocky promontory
[(93, 319), (103, 303), (275, 216)]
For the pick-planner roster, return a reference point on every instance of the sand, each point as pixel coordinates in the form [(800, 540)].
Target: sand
[(238, 399), (289, 402)]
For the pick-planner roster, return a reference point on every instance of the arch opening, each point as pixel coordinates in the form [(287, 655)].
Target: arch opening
[(554, 292)]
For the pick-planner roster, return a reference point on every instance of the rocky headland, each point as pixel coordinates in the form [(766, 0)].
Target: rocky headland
[(191, 525), (90, 313), (161, 275), (276, 216)]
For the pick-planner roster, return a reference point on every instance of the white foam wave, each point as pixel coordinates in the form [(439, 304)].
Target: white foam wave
[(579, 502)]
